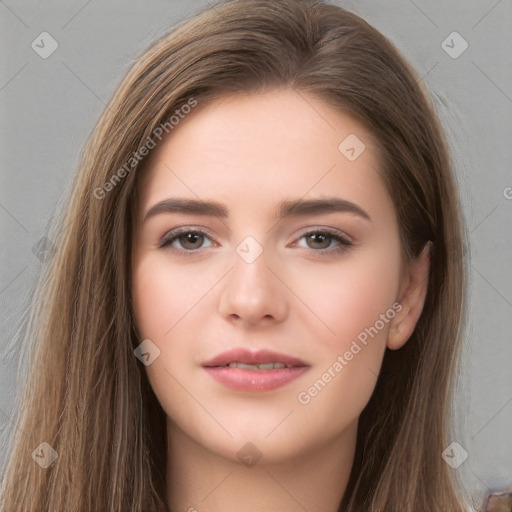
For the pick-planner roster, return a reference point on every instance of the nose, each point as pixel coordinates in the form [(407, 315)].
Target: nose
[(253, 292)]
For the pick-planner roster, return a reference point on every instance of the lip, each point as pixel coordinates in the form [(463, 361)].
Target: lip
[(243, 379), (243, 355)]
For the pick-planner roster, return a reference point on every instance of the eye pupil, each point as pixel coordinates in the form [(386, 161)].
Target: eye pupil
[(192, 237), (317, 237)]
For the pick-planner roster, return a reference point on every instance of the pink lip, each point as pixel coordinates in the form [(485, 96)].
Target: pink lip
[(243, 355), (254, 380)]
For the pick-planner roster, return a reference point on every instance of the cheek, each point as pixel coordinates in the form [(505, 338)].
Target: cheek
[(164, 301), (349, 297), (355, 304), (162, 296)]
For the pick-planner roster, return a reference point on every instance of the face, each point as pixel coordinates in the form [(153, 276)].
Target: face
[(317, 286)]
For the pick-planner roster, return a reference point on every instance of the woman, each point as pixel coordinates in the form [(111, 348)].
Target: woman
[(258, 371)]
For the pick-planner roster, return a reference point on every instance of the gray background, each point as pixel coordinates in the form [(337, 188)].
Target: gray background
[(49, 107)]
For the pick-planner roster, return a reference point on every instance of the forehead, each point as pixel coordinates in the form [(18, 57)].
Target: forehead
[(246, 147)]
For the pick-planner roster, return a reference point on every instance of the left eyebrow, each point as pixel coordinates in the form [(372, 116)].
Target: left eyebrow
[(305, 207), (285, 209)]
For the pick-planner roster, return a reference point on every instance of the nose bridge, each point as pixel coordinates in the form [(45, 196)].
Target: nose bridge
[(251, 290)]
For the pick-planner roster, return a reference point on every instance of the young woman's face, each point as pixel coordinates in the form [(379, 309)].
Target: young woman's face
[(255, 280)]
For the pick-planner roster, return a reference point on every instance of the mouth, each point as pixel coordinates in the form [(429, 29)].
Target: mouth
[(254, 360), (262, 370)]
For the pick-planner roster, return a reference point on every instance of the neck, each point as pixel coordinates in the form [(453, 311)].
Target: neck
[(199, 480)]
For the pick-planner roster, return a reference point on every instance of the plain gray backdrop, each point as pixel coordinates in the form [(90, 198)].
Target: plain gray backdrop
[(50, 105)]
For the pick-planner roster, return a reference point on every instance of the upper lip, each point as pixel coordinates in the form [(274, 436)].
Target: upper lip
[(245, 356)]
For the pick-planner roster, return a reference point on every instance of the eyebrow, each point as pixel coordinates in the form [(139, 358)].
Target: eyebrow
[(285, 209)]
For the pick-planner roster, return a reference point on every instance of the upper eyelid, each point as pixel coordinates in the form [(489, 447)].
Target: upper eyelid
[(192, 228), (185, 229)]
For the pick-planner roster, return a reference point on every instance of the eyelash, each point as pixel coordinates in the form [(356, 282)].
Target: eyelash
[(171, 236)]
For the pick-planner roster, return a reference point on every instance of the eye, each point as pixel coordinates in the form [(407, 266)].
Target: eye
[(189, 239), (324, 235)]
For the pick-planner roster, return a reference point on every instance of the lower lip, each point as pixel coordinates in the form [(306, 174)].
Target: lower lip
[(254, 380)]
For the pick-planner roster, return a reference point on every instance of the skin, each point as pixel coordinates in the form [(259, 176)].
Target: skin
[(249, 152)]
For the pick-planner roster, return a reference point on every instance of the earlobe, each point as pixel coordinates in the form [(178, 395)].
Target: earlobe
[(411, 297)]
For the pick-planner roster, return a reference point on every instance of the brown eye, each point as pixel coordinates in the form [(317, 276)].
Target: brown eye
[(189, 240), (319, 238), (320, 241), (192, 239)]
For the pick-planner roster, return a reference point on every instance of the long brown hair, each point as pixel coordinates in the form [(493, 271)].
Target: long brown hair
[(88, 396)]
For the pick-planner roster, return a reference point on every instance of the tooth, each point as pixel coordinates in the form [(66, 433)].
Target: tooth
[(247, 366), (260, 366)]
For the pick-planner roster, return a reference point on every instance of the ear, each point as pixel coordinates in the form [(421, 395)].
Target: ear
[(411, 296)]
